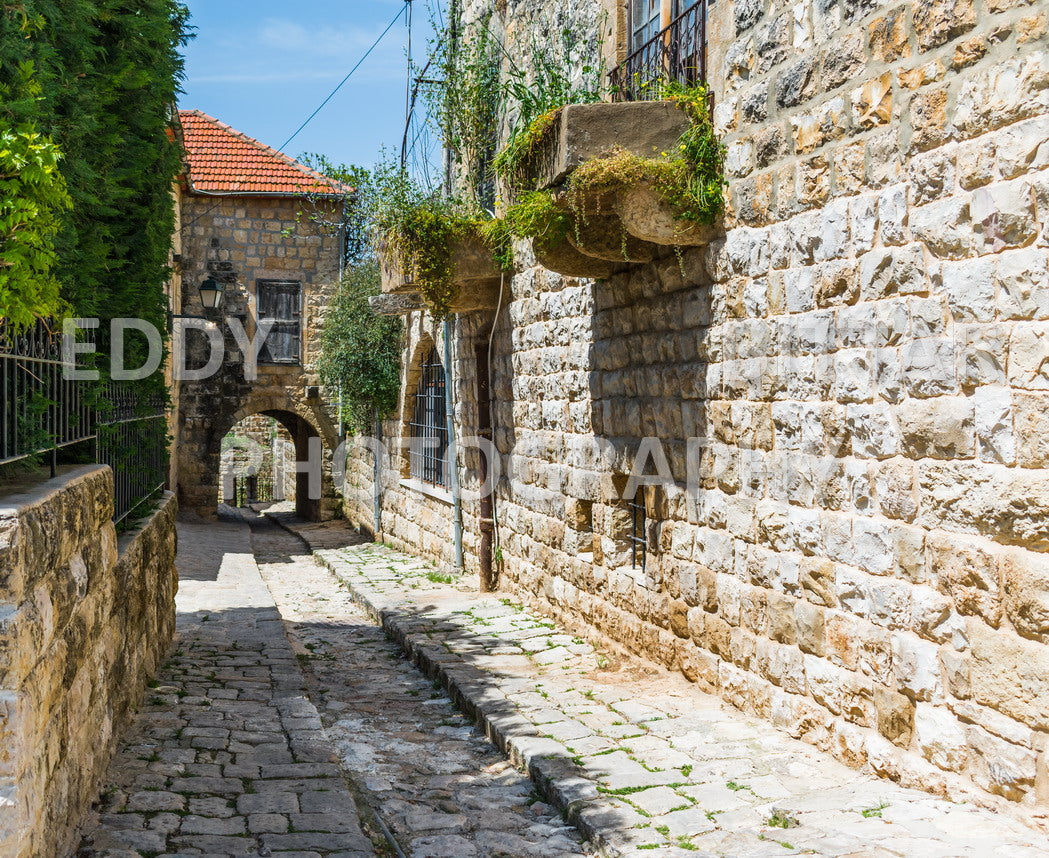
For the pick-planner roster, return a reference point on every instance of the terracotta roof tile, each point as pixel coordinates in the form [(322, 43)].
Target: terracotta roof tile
[(222, 160)]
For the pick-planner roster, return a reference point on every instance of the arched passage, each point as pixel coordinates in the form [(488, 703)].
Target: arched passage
[(314, 439)]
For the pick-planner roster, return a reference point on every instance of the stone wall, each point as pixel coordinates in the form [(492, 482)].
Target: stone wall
[(85, 620), (258, 446), (864, 353), (240, 240)]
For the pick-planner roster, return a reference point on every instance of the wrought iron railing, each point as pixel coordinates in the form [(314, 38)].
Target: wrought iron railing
[(252, 489), (676, 53), (133, 440), (44, 409)]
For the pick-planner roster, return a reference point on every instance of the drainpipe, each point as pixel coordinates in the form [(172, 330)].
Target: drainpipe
[(377, 473), (453, 449)]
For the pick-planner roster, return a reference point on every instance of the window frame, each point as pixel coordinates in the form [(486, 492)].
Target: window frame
[(638, 507), (428, 422), (265, 356)]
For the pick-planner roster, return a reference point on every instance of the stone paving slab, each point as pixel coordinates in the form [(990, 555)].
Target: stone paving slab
[(639, 759), (441, 788), (227, 755)]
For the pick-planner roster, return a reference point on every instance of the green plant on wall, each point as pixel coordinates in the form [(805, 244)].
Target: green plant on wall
[(465, 105), (417, 229), (563, 72), (361, 352), (690, 178)]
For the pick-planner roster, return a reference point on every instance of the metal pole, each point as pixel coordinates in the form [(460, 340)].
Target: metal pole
[(377, 473), (453, 450)]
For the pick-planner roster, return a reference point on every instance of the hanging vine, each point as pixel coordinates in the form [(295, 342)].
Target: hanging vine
[(690, 179)]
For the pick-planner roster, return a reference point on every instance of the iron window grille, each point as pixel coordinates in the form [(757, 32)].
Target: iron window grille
[(638, 531), (677, 53), (428, 443), (280, 304)]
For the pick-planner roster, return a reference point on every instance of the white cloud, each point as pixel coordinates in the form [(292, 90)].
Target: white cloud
[(319, 41)]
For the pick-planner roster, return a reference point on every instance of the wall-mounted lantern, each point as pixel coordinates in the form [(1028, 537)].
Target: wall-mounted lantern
[(210, 293)]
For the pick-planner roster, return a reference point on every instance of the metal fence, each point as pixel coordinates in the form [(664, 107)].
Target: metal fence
[(252, 489), (43, 411), (676, 53), (132, 438)]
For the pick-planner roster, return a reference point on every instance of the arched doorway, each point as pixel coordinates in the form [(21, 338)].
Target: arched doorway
[(258, 463), (311, 435)]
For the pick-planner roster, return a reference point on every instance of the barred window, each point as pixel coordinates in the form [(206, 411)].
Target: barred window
[(428, 447), (638, 531), (280, 304)]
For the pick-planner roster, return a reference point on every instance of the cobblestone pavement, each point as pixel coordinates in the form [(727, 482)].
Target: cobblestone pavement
[(641, 760), (442, 788), (227, 756)]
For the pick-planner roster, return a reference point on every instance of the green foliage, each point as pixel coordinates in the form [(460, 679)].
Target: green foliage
[(535, 215), (104, 79), (691, 179), (33, 198), (350, 219), (361, 352), (466, 106), (703, 197), (417, 228), (538, 96)]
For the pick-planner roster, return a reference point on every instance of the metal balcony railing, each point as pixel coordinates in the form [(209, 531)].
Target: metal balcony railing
[(676, 53)]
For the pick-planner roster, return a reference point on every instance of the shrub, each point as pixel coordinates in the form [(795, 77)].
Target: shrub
[(361, 352)]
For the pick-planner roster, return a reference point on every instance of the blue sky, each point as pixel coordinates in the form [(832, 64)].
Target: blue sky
[(262, 66)]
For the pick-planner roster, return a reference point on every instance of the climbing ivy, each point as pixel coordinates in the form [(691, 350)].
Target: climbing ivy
[(98, 79), (361, 352)]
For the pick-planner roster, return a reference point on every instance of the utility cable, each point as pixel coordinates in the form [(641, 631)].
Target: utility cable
[(360, 62)]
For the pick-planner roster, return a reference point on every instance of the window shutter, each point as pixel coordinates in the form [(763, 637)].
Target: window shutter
[(280, 303)]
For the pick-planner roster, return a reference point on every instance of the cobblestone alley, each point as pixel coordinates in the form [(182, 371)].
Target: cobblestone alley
[(289, 722)]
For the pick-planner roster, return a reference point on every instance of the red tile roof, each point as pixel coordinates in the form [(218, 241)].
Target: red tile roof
[(222, 160)]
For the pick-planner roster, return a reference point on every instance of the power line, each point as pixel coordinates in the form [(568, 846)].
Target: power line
[(331, 95)]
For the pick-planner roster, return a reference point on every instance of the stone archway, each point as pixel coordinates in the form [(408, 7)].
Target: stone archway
[(314, 437)]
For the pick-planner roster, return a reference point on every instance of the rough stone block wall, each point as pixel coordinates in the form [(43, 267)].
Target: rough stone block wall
[(85, 619), (240, 241), (417, 518), (865, 353), (258, 446)]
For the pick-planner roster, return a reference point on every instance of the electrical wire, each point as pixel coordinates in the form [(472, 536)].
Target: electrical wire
[(323, 104), (360, 62)]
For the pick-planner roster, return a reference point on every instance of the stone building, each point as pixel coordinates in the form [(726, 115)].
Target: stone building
[(258, 461), (268, 229), (863, 350)]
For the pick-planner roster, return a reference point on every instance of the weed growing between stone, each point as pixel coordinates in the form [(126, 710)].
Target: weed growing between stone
[(690, 179), (538, 97)]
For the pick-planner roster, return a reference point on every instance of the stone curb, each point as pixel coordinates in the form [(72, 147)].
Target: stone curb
[(471, 690)]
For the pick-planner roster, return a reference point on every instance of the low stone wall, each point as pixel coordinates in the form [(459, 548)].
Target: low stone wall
[(84, 620)]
